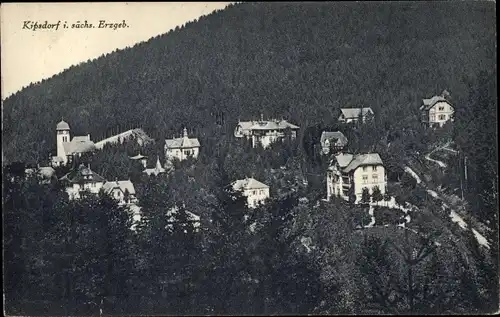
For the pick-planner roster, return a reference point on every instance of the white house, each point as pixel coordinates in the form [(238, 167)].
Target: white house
[(352, 115), (66, 148), (437, 110), (255, 191), (182, 148), (82, 179), (265, 132), (350, 172), (122, 191), (332, 142)]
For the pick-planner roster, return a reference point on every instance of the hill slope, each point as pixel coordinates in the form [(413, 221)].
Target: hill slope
[(278, 59)]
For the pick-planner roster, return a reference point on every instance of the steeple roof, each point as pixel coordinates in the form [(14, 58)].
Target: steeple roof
[(63, 125)]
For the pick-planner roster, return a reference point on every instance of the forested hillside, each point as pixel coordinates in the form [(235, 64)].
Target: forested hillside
[(276, 59), (303, 255)]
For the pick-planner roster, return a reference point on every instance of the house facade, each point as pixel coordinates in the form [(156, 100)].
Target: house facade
[(122, 191), (182, 148), (332, 142), (68, 148), (437, 110), (255, 191), (265, 132), (82, 179), (352, 115), (351, 173)]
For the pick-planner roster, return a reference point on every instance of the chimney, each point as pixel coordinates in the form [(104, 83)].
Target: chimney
[(261, 117), (88, 136), (185, 132)]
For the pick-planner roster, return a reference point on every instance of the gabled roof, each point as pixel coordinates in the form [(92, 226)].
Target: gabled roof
[(158, 169), (362, 160), (248, 183), (272, 125), (108, 187), (353, 113), (337, 137), (137, 133), (182, 143), (344, 159), (83, 174), (79, 144), (190, 216), (429, 103)]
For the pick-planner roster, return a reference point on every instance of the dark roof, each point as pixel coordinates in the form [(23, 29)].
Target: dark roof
[(429, 103), (338, 138), (353, 113), (82, 174), (350, 162)]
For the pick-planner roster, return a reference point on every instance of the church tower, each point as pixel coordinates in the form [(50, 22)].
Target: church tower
[(62, 137)]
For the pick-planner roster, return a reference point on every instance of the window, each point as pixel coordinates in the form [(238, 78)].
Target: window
[(364, 168), (442, 117), (187, 152), (93, 184), (375, 177), (441, 108), (365, 179), (432, 117), (254, 192), (374, 168)]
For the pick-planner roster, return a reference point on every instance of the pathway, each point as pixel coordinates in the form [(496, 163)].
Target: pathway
[(455, 217)]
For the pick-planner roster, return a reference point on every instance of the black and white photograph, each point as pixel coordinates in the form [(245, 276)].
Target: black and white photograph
[(249, 158)]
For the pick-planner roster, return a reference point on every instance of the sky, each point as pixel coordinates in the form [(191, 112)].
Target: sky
[(29, 55)]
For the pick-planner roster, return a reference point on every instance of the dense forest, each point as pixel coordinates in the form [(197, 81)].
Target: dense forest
[(304, 255), (271, 58)]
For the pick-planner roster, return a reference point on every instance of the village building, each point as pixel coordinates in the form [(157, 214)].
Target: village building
[(68, 148), (158, 169), (265, 132), (437, 110), (191, 219), (134, 134), (182, 148), (351, 173), (352, 115), (45, 174), (82, 179), (122, 191), (255, 191), (332, 142), (140, 158)]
